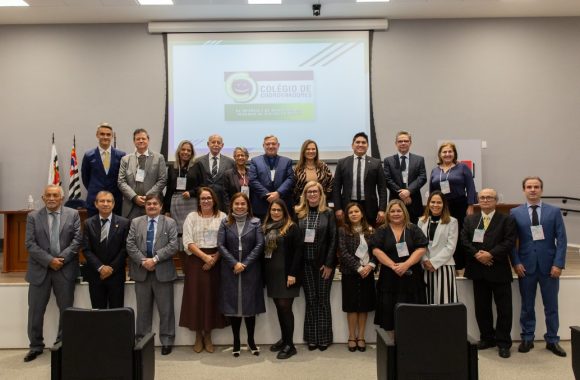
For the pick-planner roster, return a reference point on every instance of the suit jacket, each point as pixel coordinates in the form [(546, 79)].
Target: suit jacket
[(540, 254), (499, 239), (417, 178), (155, 178), (261, 183), (95, 178), (202, 169), (38, 244), (165, 248), (232, 184), (113, 252), (440, 251), (326, 237), (374, 182)]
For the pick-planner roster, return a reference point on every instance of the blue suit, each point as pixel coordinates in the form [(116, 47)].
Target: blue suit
[(538, 257), (261, 183), (95, 178)]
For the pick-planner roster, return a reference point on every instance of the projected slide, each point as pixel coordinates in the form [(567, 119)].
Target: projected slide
[(245, 86)]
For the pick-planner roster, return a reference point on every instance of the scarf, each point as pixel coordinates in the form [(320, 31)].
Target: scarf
[(272, 232)]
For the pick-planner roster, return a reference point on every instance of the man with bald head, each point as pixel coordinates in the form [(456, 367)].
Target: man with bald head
[(53, 239), (488, 238)]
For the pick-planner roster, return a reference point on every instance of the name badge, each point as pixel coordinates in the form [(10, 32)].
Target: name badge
[(181, 183), (272, 174), (445, 187), (309, 235), (402, 249), (478, 235), (245, 190), (140, 177), (537, 232), (405, 175)]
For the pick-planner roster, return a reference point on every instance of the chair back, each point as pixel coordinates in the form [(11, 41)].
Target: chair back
[(431, 341), (98, 344), (575, 351)]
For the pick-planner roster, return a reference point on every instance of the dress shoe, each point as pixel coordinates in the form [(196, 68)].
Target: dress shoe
[(208, 344), (485, 344), (504, 352), (556, 349), (526, 346), (322, 347), (361, 347), (278, 346), (255, 350), (166, 350), (31, 355), (198, 346), (351, 348), (287, 352), (312, 347)]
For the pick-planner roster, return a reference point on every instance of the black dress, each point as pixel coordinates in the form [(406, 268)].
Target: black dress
[(392, 289), (286, 261)]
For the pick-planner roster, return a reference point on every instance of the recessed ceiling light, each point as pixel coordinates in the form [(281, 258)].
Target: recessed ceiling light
[(13, 3), (155, 2), (264, 1)]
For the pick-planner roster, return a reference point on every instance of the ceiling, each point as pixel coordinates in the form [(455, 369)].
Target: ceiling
[(128, 11)]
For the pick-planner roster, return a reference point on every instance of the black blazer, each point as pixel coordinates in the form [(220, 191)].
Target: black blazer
[(326, 238), (374, 182), (232, 184), (203, 173), (113, 253), (191, 185), (499, 240), (292, 250), (417, 178)]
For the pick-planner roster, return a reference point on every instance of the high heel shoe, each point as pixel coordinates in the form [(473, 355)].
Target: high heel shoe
[(208, 343), (362, 348), (236, 351), (352, 348), (255, 350)]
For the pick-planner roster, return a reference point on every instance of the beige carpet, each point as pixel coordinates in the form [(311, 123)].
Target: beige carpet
[(335, 363)]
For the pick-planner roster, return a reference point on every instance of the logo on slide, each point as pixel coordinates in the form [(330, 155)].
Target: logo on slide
[(241, 87)]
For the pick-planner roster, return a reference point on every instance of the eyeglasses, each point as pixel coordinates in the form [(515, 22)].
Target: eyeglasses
[(486, 198), (206, 199), (310, 192), (275, 210)]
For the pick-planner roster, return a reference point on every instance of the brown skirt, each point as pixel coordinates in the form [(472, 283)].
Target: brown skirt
[(199, 306)]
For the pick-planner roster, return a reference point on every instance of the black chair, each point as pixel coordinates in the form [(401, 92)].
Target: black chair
[(430, 342), (575, 351), (100, 344)]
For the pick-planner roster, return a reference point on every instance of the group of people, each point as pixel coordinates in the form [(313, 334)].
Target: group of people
[(243, 225)]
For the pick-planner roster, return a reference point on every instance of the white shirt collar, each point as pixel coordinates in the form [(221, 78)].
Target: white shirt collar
[(101, 150), (146, 153)]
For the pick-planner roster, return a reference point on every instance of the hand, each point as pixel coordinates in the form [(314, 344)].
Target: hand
[(148, 264), (239, 268), (407, 201), (139, 200), (380, 217), (56, 263), (186, 195), (273, 196), (469, 210), (290, 281), (405, 194), (555, 272), (367, 269), (206, 267), (428, 266), (105, 272), (400, 268), (484, 257), (326, 272), (520, 270), (208, 259), (339, 215)]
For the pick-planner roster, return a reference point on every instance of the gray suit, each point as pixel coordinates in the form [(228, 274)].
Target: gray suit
[(41, 277), (154, 182), (157, 285)]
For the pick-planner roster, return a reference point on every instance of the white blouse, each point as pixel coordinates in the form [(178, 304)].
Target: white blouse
[(201, 231)]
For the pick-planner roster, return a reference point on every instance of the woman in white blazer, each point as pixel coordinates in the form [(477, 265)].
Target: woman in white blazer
[(442, 230)]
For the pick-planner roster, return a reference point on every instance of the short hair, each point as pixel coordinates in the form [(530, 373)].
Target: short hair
[(140, 130), (361, 134), (231, 218), (401, 133), (443, 145), (215, 135), (244, 150), (532, 178), (104, 192), (177, 162), (157, 196), (216, 206), (445, 213), (59, 187), (271, 137), (105, 125), (401, 204)]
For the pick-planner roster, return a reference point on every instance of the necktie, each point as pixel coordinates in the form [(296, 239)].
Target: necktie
[(535, 219), (54, 238), (485, 222), (104, 230), (214, 168), (106, 161), (358, 179), (142, 160), (403, 163), (150, 237)]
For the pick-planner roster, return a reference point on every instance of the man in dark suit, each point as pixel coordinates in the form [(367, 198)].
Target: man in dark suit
[(53, 239), (405, 175), (141, 173), (358, 178), (539, 258), (488, 238), (271, 177), (151, 245), (100, 170), (104, 237), (210, 169)]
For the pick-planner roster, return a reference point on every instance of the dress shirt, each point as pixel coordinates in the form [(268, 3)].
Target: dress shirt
[(538, 210), (362, 176), (156, 219), (490, 216), (210, 158)]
